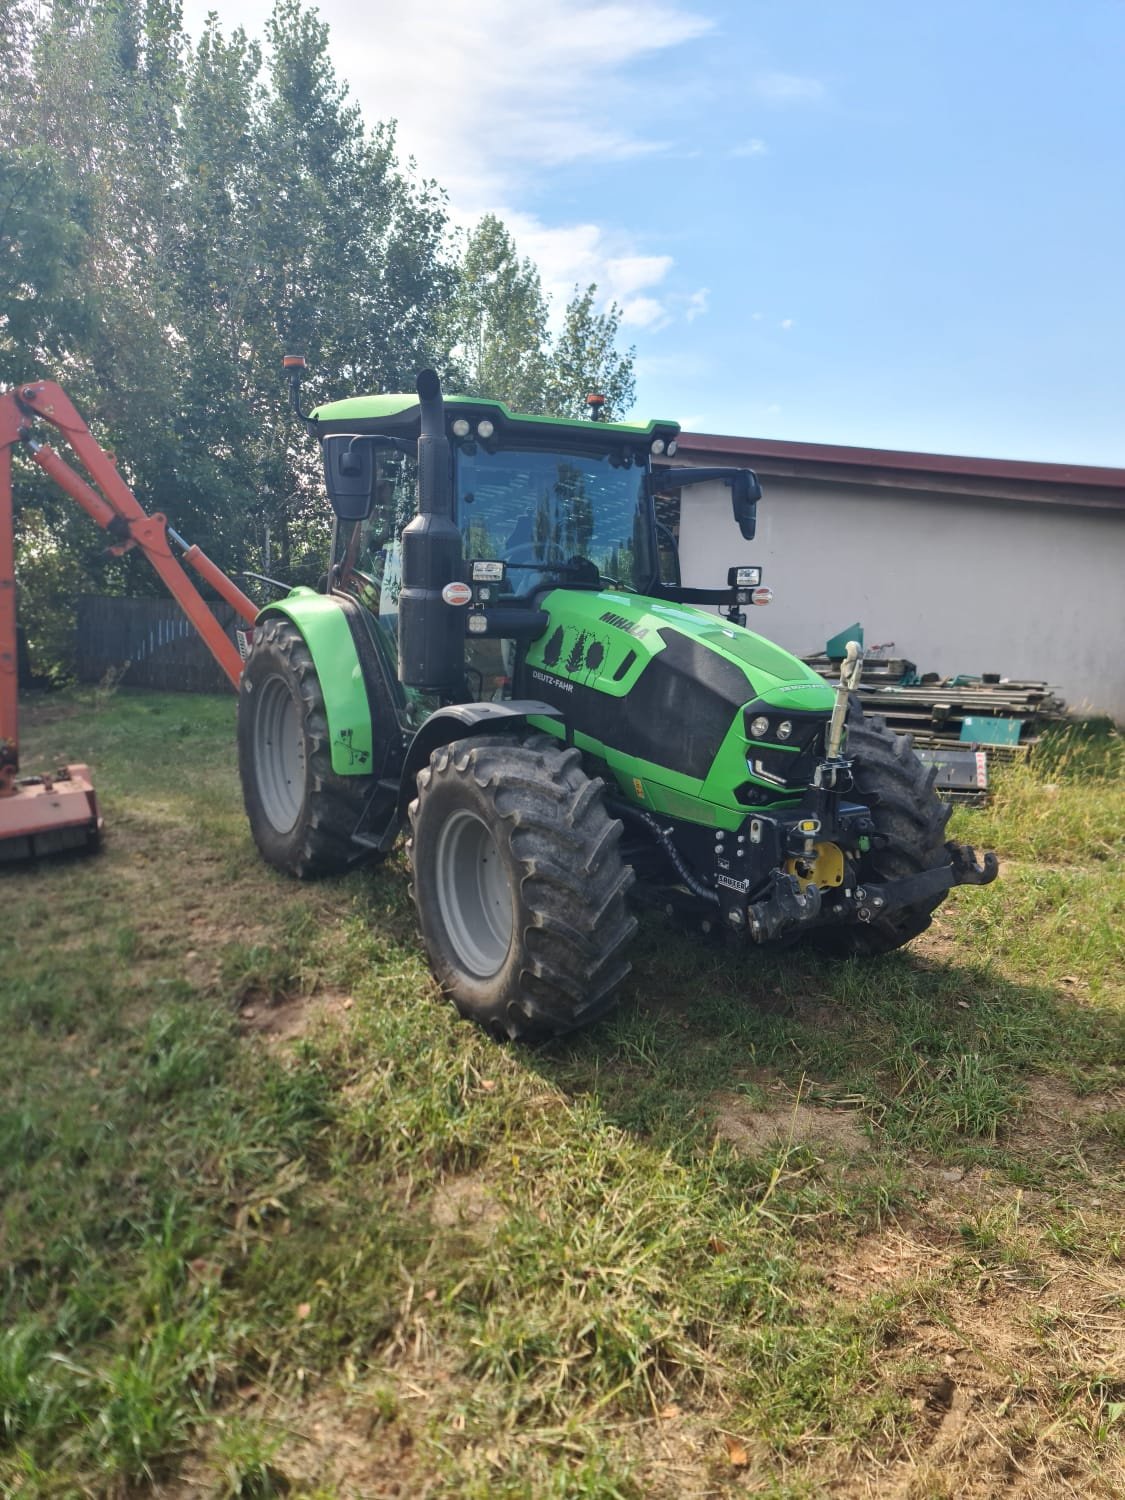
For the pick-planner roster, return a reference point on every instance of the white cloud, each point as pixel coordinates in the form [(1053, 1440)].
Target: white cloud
[(697, 304), (629, 273), (490, 98), (644, 312), (786, 323), (573, 255), (757, 317), (787, 88), (755, 146), (487, 95)]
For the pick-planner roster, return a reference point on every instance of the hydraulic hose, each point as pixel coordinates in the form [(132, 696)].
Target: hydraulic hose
[(664, 840)]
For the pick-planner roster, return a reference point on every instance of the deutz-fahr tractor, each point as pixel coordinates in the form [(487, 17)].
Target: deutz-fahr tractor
[(503, 660)]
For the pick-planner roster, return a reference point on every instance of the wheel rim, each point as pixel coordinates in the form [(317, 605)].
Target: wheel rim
[(279, 754), (474, 894)]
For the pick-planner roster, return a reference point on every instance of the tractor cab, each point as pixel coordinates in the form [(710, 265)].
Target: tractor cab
[(509, 507), (558, 502)]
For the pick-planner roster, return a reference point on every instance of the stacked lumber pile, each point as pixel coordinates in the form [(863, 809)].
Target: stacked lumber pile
[(1006, 715), (958, 723)]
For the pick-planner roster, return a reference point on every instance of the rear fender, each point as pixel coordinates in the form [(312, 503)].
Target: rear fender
[(324, 626)]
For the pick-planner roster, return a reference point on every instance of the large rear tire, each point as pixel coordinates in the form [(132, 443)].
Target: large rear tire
[(302, 814), (909, 814), (519, 885)]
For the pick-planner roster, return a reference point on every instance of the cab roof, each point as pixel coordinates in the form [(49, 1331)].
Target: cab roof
[(397, 416)]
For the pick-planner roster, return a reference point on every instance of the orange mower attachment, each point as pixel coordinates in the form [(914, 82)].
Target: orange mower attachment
[(50, 813)]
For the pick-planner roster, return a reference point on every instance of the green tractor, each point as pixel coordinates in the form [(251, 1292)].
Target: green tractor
[(503, 661)]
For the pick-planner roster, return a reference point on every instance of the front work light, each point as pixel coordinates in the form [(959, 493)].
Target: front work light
[(461, 428), (744, 578)]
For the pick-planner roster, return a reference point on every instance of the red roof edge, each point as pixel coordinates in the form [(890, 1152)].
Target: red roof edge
[(890, 458)]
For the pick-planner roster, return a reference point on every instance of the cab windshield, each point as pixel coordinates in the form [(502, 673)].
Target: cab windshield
[(556, 517)]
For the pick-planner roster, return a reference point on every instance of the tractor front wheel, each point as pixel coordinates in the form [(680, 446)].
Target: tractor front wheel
[(301, 812), (519, 885), (910, 817)]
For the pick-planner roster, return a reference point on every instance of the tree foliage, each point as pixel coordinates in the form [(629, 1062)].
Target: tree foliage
[(498, 326), (173, 219)]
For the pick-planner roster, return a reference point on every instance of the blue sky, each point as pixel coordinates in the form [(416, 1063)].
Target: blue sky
[(898, 225)]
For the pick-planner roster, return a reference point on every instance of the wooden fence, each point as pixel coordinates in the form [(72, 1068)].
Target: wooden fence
[(150, 642)]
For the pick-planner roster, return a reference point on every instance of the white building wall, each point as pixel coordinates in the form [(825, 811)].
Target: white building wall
[(1027, 590)]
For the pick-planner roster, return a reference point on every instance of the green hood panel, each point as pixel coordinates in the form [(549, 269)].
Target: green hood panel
[(657, 691), (631, 623)]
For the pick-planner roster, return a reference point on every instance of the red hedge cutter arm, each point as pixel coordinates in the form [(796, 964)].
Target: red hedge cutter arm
[(41, 814)]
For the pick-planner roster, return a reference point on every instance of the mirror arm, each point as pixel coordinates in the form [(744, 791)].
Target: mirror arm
[(660, 481), (680, 594)]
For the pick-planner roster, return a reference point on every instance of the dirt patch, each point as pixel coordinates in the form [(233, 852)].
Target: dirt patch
[(784, 1120), (283, 1021), (352, 1447), (466, 1203), (1054, 1115), (1007, 1353), (343, 1443)]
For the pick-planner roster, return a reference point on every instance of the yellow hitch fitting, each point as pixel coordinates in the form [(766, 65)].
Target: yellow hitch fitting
[(826, 869)]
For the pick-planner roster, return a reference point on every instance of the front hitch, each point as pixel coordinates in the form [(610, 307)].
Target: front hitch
[(966, 868), (787, 907), (872, 900)]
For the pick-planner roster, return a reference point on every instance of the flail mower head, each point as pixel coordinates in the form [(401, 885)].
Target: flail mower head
[(47, 814)]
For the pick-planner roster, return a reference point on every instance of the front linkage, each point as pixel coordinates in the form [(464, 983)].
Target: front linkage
[(788, 907), (778, 859)]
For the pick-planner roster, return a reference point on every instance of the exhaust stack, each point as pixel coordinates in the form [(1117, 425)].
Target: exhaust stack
[(431, 633)]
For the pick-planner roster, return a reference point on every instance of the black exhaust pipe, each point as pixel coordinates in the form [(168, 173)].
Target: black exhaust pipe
[(431, 633)]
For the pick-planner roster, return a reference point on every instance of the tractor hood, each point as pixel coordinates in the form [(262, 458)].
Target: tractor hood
[(667, 694)]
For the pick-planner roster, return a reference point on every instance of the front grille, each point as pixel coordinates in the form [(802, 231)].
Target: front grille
[(768, 759)]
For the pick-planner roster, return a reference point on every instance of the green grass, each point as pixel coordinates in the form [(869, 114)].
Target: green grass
[(273, 1220)]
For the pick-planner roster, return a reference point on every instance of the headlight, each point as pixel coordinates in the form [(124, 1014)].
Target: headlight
[(784, 729), (759, 727)]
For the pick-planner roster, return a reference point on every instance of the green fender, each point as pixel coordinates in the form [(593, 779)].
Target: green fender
[(326, 632)]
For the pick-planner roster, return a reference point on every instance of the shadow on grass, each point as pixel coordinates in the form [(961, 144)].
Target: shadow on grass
[(936, 1055)]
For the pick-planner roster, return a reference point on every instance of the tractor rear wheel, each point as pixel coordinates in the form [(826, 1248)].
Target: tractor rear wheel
[(911, 817), (301, 813), (519, 885)]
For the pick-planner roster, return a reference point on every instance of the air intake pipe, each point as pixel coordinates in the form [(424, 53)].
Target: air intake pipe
[(431, 633)]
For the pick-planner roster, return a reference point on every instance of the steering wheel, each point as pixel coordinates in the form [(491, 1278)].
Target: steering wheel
[(535, 562)]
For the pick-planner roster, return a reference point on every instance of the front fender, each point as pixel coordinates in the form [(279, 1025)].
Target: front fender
[(455, 722), (324, 626)]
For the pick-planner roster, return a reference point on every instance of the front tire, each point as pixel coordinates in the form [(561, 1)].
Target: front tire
[(910, 815), (302, 814), (519, 885)]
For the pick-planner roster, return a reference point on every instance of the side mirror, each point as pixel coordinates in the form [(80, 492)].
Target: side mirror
[(745, 492), (349, 475)]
